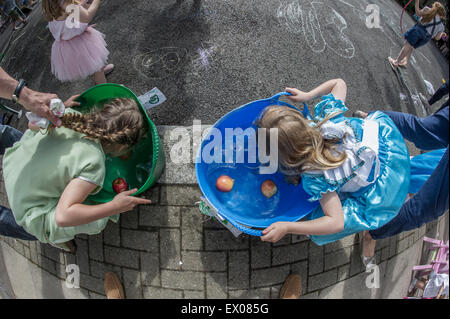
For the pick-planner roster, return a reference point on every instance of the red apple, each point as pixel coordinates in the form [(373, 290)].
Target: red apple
[(126, 156), (119, 185), (268, 188), (225, 183)]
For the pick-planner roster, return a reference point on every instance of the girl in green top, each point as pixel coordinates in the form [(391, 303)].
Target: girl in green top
[(49, 176)]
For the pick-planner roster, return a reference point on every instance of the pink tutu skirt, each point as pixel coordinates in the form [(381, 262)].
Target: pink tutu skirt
[(79, 57)]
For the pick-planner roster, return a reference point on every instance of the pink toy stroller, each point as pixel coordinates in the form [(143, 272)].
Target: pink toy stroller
[(432, 279)]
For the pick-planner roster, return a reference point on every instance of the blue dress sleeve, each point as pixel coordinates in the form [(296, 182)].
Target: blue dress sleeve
[(315, 185), (329, 105)]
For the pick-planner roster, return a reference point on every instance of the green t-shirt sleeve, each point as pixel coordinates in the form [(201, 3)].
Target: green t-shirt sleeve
[(94, 169), (93, 161)]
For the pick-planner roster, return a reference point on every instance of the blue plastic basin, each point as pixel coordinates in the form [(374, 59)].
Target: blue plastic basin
[(245, 205)]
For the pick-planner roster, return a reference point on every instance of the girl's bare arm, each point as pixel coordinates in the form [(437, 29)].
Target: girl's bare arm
[(331, 223), (71, 212), (87, 14), (418, 10), (336, 86)]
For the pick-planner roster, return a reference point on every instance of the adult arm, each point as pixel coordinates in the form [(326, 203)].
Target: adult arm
[(71, 102), (337, 87), (33, 101), (331, 223), (71, 212)]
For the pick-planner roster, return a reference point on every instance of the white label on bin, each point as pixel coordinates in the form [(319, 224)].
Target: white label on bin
[(152, 98)]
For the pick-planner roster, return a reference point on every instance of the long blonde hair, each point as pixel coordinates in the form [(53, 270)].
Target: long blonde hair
[(430, 13), (119, 123), (301, 147), (52, 9)]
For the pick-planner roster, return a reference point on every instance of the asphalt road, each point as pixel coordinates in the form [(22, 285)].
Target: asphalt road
[(211, 56)]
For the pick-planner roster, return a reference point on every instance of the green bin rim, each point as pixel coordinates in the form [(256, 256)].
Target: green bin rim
[(152, 127)]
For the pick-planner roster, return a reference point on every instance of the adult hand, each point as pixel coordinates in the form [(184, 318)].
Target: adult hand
[(275, 232), (71, 101), (39, 103), (125, 202), (297, 95)]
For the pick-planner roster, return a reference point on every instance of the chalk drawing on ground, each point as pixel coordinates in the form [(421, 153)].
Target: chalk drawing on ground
[(164, 62), (202, 59), (321, 26), (160, 63)]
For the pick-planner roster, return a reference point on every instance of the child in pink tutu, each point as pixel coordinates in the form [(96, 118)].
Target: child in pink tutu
[(79, 50)]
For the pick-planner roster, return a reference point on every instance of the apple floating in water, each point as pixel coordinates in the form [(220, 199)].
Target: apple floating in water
[(269, 189), (126, 156), (120, 185), (225, 183)]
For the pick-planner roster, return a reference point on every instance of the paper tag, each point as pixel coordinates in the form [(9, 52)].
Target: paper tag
[(207, 209), (152, 98)]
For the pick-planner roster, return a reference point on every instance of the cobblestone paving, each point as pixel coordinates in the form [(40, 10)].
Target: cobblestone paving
[(169, 250)]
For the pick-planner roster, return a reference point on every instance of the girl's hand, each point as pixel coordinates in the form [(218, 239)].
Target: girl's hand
[(297, 95), (275, 232), (71, 101), (124, 202)]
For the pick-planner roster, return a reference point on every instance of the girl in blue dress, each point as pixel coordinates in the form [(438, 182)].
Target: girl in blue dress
[(358, 169)]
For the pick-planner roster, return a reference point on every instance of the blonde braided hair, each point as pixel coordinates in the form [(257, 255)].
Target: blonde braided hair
[(119, 123)]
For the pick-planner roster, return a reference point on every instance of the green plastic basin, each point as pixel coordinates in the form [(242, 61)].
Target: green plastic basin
[(145, 165)]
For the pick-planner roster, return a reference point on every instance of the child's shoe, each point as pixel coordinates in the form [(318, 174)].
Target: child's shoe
[(108, 69)]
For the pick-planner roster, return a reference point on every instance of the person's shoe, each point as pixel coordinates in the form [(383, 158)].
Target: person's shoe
[(113, 287), (360, 114), (292, 287), (366, 261), (108, 69)]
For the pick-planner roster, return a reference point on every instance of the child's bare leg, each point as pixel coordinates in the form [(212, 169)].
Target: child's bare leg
[(404, 62), (99, 77), (408, 56), (404, 53)]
